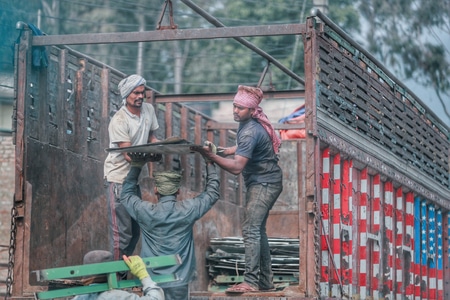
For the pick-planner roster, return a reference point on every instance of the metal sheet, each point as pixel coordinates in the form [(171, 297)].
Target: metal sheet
[(168, 146)]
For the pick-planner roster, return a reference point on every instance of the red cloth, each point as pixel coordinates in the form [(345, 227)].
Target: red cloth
[(251, 97)]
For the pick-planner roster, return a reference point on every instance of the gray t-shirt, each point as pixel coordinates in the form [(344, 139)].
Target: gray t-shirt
[(254, 143)]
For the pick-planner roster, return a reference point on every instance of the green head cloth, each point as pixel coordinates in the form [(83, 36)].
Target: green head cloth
[(167, 182)]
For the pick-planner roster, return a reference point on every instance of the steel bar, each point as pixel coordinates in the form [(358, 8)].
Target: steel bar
[(291, 94), (167, 35)]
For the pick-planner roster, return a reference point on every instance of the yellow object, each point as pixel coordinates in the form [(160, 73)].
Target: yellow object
[(137, 266)]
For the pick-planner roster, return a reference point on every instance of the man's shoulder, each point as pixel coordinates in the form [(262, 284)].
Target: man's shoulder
[(119, 115), (251, 128), (148, 107)]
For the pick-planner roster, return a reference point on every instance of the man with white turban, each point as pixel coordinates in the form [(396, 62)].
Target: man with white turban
[(133, 124), (255, 156)]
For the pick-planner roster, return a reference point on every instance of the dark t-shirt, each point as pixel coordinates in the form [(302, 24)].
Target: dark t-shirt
[(254, 142)]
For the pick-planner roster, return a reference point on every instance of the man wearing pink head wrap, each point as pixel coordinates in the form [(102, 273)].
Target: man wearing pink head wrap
[(255, 156), (251, 97)]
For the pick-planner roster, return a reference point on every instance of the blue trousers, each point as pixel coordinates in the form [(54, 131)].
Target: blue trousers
[(176, 293)]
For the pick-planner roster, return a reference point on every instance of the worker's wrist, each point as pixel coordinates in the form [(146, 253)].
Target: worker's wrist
[(147, 281)]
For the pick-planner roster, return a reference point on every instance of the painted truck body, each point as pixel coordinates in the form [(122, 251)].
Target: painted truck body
[(366, 192)]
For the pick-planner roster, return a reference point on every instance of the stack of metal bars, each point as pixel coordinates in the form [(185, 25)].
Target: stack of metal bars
[(225, 262)]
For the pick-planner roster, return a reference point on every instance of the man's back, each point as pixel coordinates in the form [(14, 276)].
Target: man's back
[(167, 227)]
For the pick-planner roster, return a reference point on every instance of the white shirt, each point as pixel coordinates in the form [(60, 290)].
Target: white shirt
[(127, 127)]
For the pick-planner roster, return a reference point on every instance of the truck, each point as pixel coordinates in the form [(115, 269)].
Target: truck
[(366, 191)]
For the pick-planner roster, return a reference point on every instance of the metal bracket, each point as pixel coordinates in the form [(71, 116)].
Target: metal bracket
[(161, 16), (374, 237), (263, 75)]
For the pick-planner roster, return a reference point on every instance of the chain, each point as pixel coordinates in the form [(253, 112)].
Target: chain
[(317, 249), (12, 247)]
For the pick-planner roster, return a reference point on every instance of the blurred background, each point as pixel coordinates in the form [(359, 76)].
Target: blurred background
[(411, 38)]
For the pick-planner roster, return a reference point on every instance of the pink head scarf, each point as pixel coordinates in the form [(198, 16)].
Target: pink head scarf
[(251, 97)]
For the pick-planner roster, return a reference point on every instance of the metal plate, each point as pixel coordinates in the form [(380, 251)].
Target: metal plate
[(168, 146)]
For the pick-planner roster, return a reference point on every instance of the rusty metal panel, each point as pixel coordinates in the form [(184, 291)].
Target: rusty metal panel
[(66, 109), (357, 94), (67, 216), (285, 214)]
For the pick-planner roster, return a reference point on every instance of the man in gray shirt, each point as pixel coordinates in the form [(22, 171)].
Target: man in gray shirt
[(167, 226)]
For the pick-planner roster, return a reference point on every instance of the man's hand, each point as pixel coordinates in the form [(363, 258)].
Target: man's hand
[(137, 266), (211, 147), (208, 150), (139, 159), (221, 151)]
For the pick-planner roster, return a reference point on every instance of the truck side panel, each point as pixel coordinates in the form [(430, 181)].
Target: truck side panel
[(383, 177)]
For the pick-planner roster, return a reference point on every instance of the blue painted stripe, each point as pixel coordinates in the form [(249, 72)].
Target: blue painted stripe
[(423, 223), (417, 230), (440, 250)]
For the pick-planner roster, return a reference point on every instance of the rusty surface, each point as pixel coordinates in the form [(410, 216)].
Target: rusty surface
[(21, 85), (161, 16), (312, 178), (282, 95), (354, 99), (167, 35)]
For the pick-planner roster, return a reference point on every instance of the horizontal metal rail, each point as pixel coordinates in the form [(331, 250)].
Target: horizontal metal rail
[(168, 35)]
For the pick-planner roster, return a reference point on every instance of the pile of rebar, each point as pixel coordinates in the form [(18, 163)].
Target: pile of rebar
[(226, 263)]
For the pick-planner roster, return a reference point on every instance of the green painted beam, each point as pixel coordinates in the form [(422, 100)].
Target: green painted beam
[(100, 287), (104, 268), (107, 268)]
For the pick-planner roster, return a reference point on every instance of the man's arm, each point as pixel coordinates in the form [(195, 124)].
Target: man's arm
[(129, 193), (123, 145), (150, 289), (233, 165), (226, 151), (204, 201)]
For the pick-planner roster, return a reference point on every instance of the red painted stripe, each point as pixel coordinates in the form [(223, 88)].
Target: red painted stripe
[(362, 231), (376, 271), (409, 242), (325, 232)]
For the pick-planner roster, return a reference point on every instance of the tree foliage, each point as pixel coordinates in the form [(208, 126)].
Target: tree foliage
[(404, 35), (399, 34), (204, 64)]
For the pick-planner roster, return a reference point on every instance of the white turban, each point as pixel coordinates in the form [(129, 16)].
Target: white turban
[(127, 85)]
